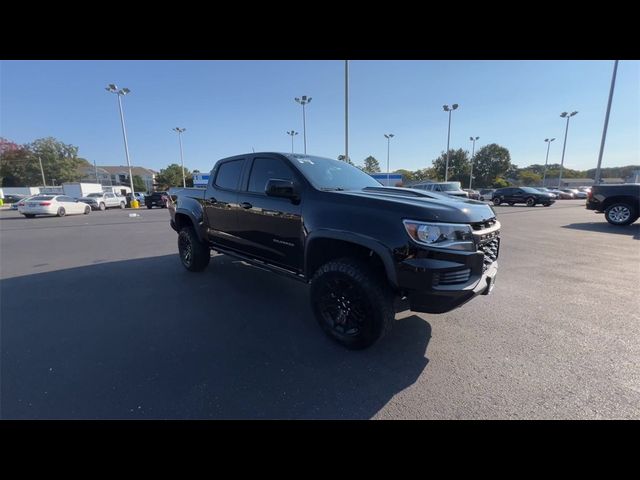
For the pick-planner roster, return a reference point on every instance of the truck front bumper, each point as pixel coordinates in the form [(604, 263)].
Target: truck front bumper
[(442, 282)]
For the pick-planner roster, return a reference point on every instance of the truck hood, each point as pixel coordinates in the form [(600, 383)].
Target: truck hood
[(427, 206)]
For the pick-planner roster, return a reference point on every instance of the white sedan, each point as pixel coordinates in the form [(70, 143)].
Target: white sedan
[(59, 205)]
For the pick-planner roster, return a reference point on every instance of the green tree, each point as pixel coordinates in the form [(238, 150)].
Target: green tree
[(138, 184), (371, 165), (345, 159), (459, 165), (490, 162), (407, 175), (500, 182), (425, 174), (172, 177), (59, 160), (527, 177)]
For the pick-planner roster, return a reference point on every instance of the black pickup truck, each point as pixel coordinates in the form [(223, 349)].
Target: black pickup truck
[(359, 244), (620, 203), (156, 199)]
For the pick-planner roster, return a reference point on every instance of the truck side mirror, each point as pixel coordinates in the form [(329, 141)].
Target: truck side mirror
[(281, 188)]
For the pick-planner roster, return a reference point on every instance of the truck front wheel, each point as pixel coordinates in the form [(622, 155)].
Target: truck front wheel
[(353, 305), (194, 254)]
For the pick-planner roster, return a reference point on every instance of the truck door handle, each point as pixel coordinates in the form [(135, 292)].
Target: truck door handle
[(246, 205)]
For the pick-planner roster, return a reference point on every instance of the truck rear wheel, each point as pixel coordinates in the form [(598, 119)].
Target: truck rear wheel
[(620, 213), (194, 254), (353, 305)]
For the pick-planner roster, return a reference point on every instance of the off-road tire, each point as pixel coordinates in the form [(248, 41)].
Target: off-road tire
[(364, 294), (194, 254)]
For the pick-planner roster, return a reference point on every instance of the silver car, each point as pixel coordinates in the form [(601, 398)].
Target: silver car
[(102, 201)]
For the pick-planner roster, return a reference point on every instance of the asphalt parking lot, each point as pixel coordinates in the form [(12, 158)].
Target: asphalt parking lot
[(101, 321)]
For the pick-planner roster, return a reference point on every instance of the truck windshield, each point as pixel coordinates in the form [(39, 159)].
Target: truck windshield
[(328, 174)]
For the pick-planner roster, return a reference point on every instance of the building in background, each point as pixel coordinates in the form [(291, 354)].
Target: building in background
[(118, 175)]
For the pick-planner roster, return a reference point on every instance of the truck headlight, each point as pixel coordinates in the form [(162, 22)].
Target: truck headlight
[(454, 236)]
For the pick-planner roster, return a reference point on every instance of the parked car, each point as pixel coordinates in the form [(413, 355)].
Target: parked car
[(546, 190), (560, 194), (13, 199), (528, 195), (102, 201), (138, 196), (359, 245), (59, 205), (577, 193), (156, 199), (473, 194), (585, 189), (486, 194), (448, 188), (619, 203)]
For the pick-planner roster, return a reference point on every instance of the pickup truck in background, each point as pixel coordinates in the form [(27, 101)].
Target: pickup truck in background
[(619, 203), (358, 244), (156, 199), (104, 200)]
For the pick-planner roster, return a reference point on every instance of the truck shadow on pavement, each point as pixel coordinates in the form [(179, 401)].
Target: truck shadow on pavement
[(144, 339), (632, 230)]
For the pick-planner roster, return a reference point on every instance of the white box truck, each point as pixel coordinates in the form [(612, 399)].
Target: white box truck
[(77, 189)]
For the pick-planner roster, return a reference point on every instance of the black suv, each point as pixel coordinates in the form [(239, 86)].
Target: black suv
[(359, 244), (527, 195)]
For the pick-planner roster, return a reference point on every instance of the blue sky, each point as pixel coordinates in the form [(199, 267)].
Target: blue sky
[(230, 107)]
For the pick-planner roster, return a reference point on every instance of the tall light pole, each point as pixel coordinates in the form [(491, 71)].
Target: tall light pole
[(388, 136), (120, 92), (548, 140), (292, 133), (448, 109), (473, 151), (180, 130), (564, 146), (346, 110), (303, 101), (606, 122)]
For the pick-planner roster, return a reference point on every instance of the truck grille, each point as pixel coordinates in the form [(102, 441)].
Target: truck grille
[(490, 251)]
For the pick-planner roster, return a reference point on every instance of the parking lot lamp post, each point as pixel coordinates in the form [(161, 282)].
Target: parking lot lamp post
[(121, 92), (473, 151), (449, 109), (564, 146), (388, 136), (292, 133), (606, 122), (544, 176), (303, 101), (180, 130)]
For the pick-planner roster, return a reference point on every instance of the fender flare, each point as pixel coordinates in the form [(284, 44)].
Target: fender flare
[(362, 240), (197, 224)]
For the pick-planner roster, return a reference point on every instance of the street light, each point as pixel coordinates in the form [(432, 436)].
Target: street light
[(473, 151), (292, 133), (388, 136), (548, 140), (120, 92), (180, 130), (567, 116), (446, 108), (303, 101), (606, 122)]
